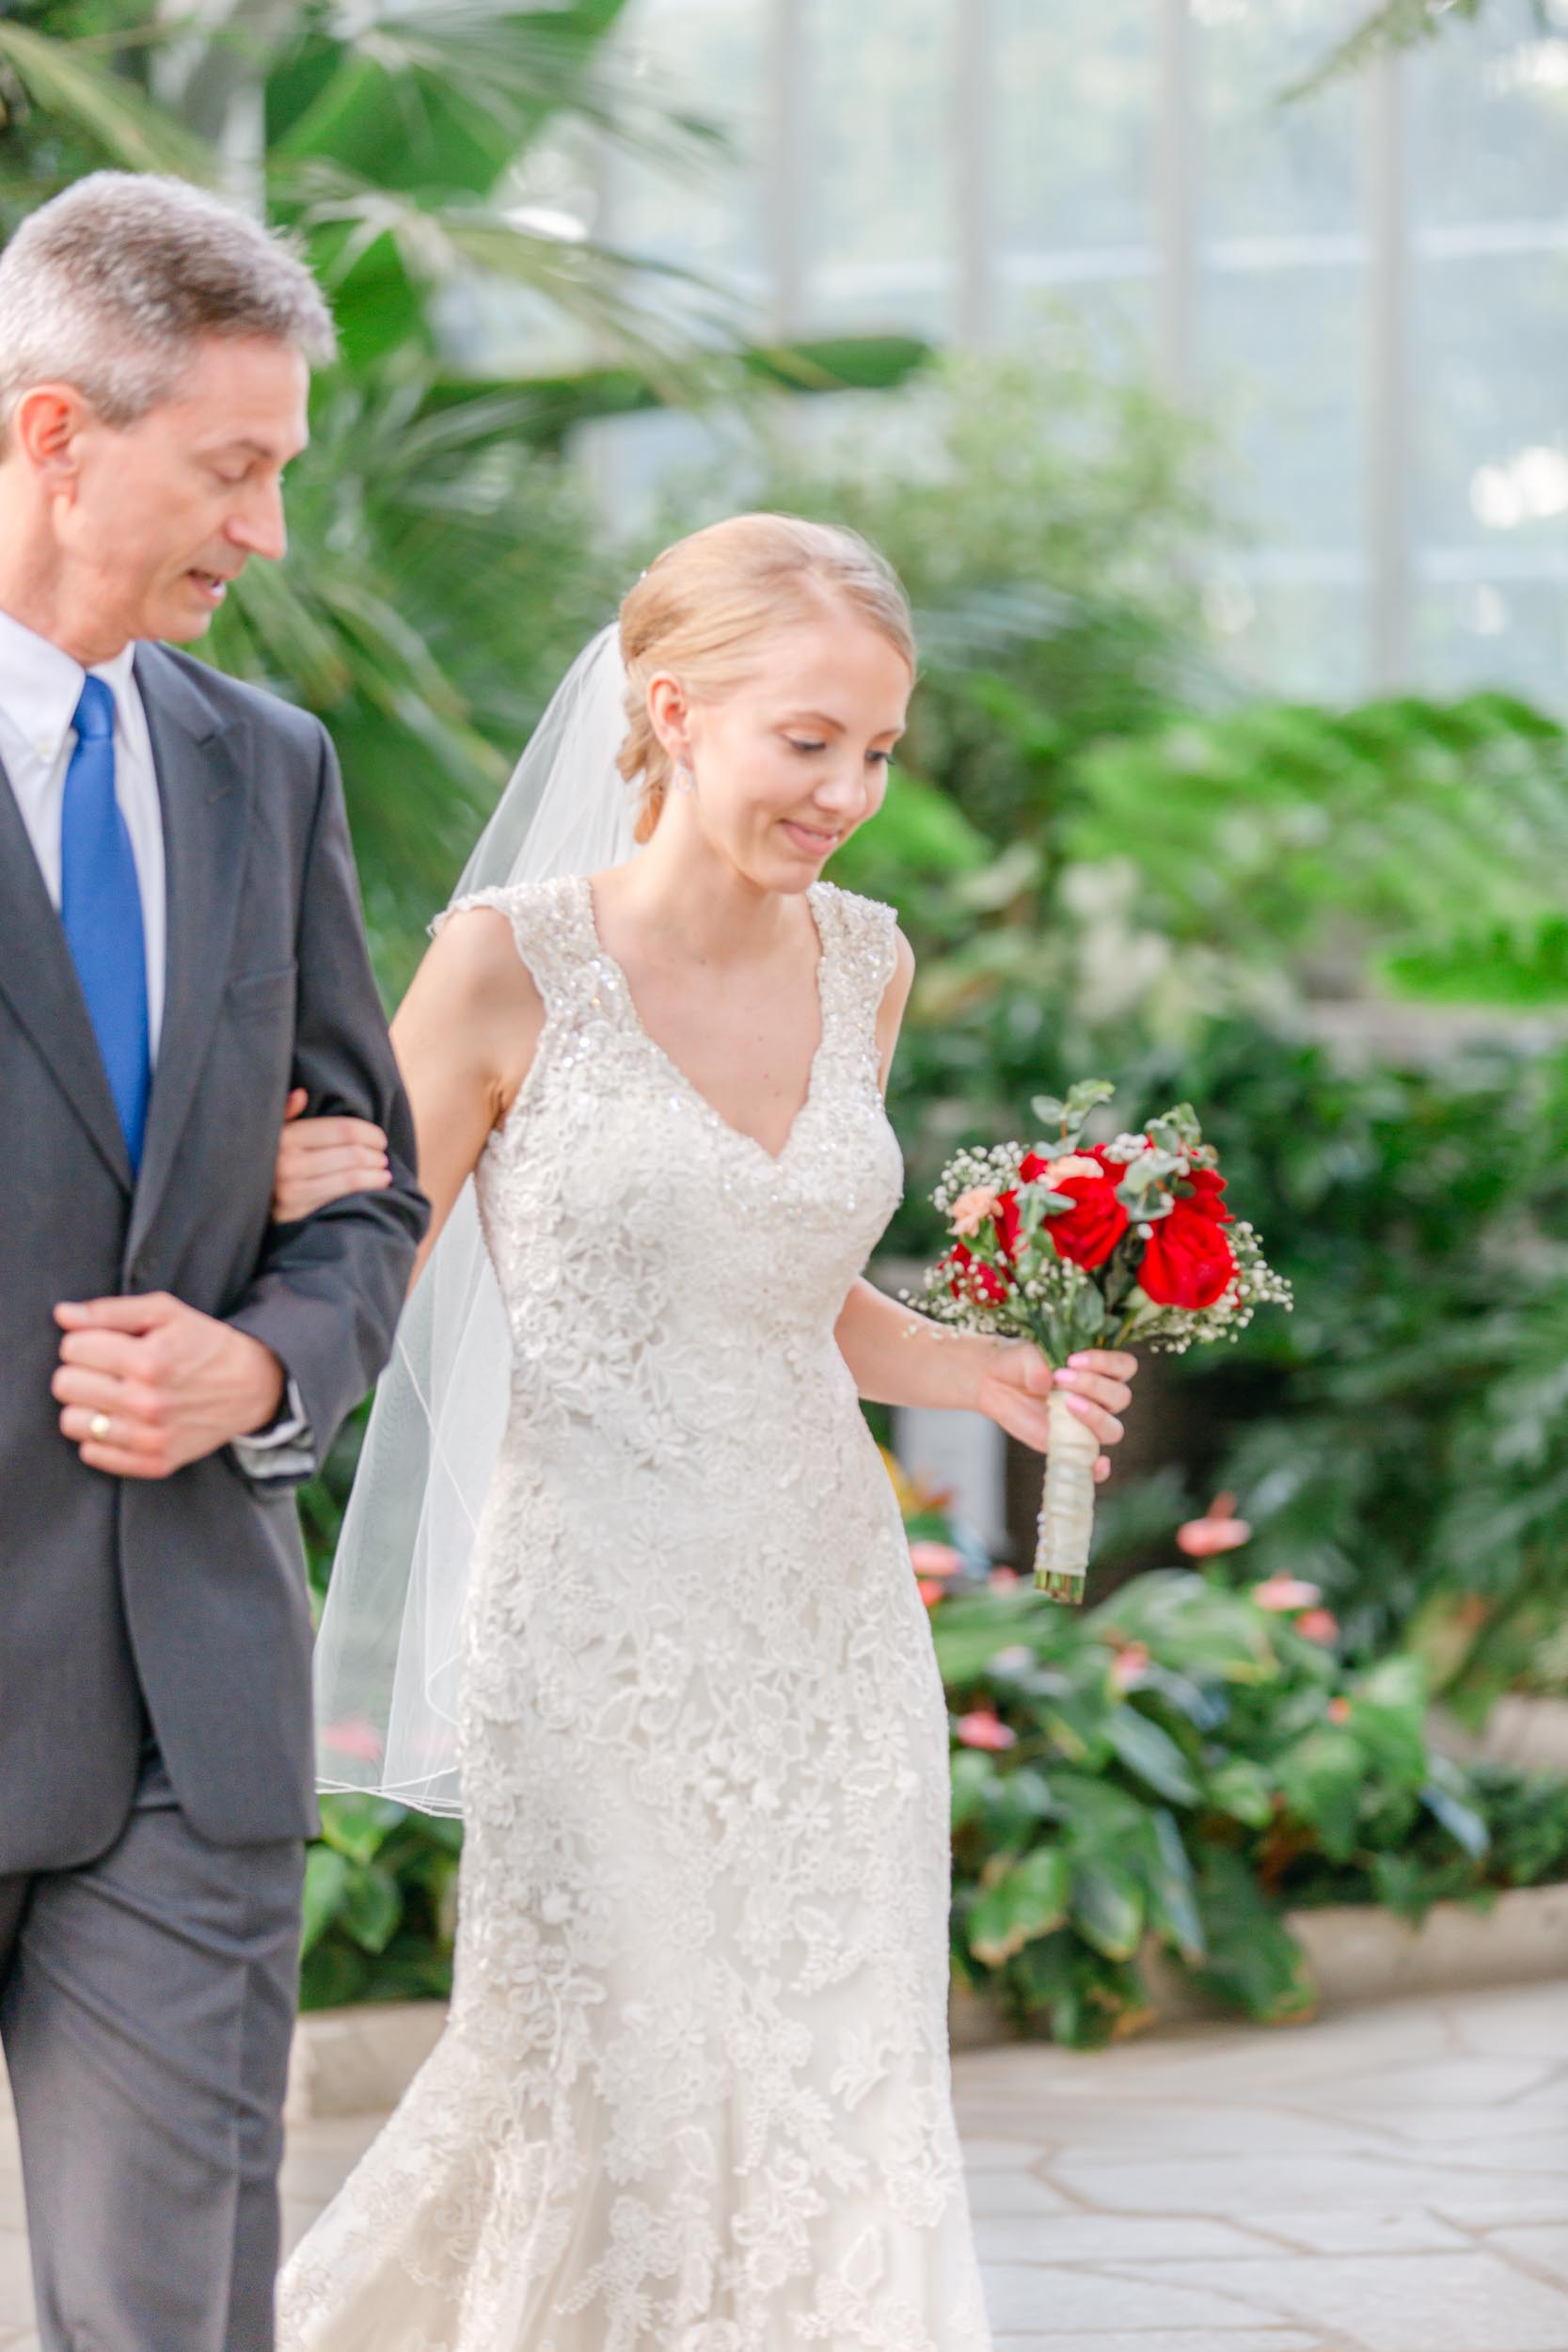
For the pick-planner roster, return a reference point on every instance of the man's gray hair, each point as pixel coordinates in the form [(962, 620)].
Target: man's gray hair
[(112, 285)]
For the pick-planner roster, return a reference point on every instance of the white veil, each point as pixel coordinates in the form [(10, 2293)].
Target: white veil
[(389, 1656)]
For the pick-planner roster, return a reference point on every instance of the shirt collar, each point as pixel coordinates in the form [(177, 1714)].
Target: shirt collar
[(40, 685)]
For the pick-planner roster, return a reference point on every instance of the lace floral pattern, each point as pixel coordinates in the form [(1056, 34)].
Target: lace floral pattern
[(694, 2095)]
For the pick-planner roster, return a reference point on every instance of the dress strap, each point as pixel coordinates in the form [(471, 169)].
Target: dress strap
[(860, 955), (547, 921)]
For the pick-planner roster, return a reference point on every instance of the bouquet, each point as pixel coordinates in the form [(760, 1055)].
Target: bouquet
[(1121, 1244)]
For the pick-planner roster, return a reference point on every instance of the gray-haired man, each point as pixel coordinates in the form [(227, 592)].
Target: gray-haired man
[(180, 944)]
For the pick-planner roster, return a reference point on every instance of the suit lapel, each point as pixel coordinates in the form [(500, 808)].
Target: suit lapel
[(38, 979), (205, 795)]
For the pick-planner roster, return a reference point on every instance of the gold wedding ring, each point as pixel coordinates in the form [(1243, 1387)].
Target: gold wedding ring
[(99, 1429)]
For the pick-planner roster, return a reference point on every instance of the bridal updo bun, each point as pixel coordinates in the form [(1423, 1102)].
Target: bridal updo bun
[(705, 609)]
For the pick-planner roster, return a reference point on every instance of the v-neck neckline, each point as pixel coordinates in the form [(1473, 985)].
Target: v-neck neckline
[(741, 1134)]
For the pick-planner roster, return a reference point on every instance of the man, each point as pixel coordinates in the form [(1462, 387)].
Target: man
[(181, 946)]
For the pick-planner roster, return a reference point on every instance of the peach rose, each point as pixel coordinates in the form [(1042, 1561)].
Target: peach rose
[(1073, 1164), (972, 1208)]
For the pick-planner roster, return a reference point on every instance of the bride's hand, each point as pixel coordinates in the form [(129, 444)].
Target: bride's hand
[(1016, 1388), (324, 1159)]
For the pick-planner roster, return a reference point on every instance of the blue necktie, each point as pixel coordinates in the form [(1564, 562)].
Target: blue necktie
[(101, 909)]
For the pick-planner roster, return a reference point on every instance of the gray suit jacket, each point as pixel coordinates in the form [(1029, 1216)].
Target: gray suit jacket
[(187, 1593)]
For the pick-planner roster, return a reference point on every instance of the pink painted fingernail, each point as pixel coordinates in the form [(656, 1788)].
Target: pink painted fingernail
[(1067, 1379)]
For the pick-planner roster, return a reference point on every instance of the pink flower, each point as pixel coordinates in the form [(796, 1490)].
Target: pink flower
[(1339, 1711), (1217, 1530), (1318, 1625), (929, 1558), (1285, 1592), (1002, 1579), (982, 1729), (972, 1208), (1130, 1667), (930, 1591)]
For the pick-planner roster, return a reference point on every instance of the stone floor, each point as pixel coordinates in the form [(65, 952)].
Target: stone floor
[(1388, 2180)]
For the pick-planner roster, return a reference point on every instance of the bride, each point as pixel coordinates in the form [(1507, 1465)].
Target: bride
[(694, 2095)]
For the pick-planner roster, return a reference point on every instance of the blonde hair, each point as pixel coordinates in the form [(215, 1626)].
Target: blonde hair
[(705, 609)]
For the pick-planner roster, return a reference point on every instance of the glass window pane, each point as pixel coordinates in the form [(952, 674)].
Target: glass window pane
[(1488, 170), (1489, 124), (705, 211), (1272, 170), (1282, 351), (1506, 633), (1305, 635), (879, 172), (1073, 103), (1072, 109)]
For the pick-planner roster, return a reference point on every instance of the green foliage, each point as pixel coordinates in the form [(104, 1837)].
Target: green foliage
[(380, 1904), (1182, 1767), (1401, 1439), (1417, 841), (1401, 25)]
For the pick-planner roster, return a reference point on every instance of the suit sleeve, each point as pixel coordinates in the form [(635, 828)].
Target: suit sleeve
[(328, 1290)]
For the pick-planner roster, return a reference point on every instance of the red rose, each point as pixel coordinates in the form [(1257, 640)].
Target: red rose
[(969, 1277), (1087, 1233), (1084, 1235), (1187, 1260)]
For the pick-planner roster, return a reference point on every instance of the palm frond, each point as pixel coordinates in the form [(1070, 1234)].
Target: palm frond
[(605, 291), (61, 79)]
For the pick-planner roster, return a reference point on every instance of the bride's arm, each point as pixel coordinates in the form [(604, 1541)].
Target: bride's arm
[(465, 1038), (897, 1357)]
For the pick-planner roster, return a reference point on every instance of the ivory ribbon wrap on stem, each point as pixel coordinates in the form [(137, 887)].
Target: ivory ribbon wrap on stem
[(1067, 1507)]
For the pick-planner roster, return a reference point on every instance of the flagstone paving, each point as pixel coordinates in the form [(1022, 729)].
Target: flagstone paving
[(1388, 2180)]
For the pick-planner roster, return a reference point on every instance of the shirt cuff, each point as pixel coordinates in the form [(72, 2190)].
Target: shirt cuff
[(285, 1449)]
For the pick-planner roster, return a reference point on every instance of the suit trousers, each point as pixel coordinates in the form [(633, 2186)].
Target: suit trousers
[(147, 2002)]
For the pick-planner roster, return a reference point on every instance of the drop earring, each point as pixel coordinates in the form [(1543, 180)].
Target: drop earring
[(684, 782)]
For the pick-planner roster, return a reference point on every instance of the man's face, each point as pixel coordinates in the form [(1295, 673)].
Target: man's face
[(163, 513)]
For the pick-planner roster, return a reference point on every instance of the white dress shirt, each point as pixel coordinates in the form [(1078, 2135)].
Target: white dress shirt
[(41, 686)]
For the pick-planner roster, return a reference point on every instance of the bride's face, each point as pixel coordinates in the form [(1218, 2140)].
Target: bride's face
[(787, 766)]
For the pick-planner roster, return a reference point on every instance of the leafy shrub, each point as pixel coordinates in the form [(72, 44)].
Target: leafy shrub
[(1182, 1765), (380, 1904)]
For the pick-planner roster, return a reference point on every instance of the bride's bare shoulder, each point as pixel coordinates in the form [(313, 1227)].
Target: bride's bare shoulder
[(476, 944), (474, 991)]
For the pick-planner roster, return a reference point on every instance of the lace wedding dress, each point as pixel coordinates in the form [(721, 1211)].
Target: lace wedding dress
[(694, 2092)]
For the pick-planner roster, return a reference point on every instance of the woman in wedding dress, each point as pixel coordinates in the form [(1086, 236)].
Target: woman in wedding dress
[(694, 2095)]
